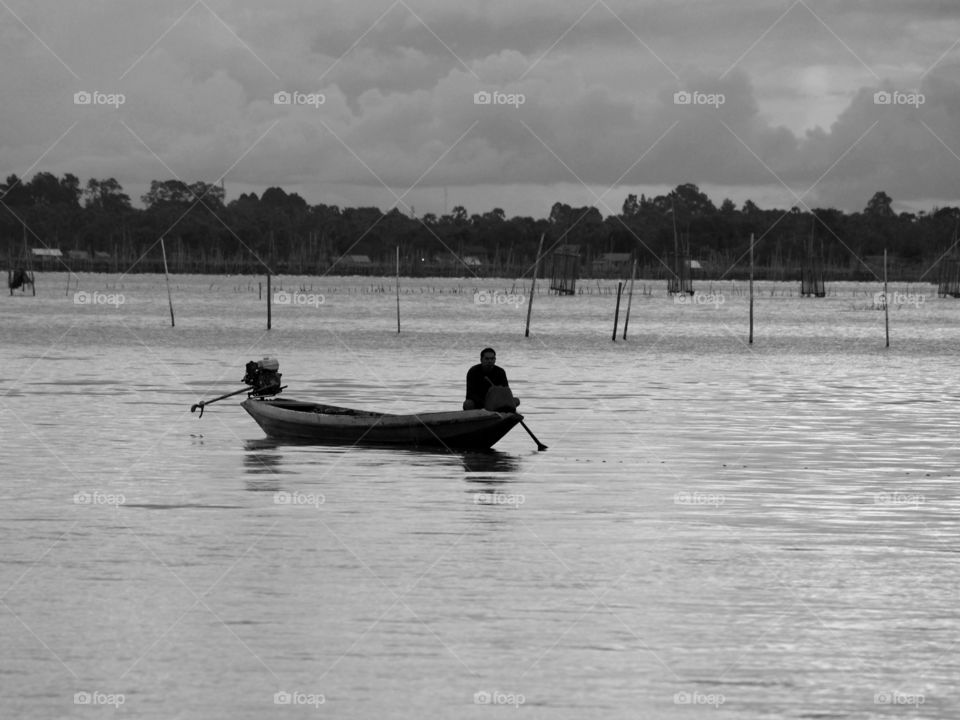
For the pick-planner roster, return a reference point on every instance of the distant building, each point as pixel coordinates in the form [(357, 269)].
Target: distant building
[(354, 263), (46, 252), (612, 263), (78, 254)]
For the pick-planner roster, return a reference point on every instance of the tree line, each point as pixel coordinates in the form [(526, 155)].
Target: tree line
[(281, 232)]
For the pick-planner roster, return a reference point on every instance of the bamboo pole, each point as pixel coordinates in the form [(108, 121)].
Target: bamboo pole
[(398, 289), (616, 313), (166, 273), (886, 300), (269, 302), (626, 320), (751, 289), (533, 285)]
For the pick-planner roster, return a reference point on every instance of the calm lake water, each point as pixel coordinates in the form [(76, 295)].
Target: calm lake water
[(717, 530)]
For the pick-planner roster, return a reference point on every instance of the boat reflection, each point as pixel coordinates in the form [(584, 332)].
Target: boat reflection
[(261, 458), (489, 461), (267, 456)]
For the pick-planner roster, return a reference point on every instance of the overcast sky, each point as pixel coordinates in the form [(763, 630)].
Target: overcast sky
[(770, 100)]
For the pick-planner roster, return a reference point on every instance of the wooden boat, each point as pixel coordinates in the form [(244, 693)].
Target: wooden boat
[(308, 421)]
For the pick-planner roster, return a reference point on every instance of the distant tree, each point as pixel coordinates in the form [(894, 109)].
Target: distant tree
[(46, 189), (105, 195), (177, 192), (167, 192), (691, 202), (14, 192), (879, 206)]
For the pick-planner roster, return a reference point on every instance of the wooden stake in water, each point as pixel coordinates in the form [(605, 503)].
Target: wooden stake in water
[(269, 302), (533, 286), (751, 289), (166, 273), (616, 313), (886, 300), (398, 289), (626, 320)]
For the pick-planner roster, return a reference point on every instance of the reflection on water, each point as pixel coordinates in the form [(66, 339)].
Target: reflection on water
[(490, 461), (761, 533), (273, 456)]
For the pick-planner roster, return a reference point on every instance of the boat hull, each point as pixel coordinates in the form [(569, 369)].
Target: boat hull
[(315, 422)]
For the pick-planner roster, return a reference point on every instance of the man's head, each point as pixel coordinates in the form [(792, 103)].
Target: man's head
[(488, 358)]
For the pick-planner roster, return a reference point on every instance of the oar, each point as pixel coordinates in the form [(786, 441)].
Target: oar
[(204, 403), (540, 446)]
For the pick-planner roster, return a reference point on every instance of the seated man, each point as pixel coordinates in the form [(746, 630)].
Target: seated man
[(480, 378)]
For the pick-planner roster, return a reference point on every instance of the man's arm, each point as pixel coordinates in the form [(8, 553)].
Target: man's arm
[(476, 387)]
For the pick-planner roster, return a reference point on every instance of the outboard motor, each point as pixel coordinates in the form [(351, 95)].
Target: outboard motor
[(262, 377)]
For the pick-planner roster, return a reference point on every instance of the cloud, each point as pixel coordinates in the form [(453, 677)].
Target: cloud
[(598, 83)]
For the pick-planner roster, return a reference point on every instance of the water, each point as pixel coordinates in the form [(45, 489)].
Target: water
[(717, 529)]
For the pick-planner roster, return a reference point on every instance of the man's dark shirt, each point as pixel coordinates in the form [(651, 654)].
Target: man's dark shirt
[(477, 384)]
